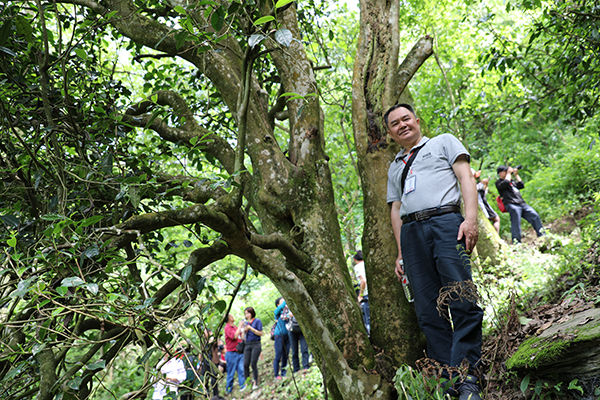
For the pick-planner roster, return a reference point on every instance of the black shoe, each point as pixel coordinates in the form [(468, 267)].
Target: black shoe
[(469, 389)]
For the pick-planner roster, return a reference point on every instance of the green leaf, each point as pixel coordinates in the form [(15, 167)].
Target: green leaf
[(221, 305), (92, 287), (525, 384), (165, 336), (24, 27), (97, 365), (62, 290), (12, 242), (10, 220), (574, 386), (255, 39), (81, 53), (135, 196), (146, 356), (91, 252), (57, 311), (217, 19), (72, 281), (53, 217), (265, 19), (91, 220), (185, 274), (200, 284), (282, 3), (148, 302), (8, 51), (75, 383), (180, 10), (5, 31), (284, 37)]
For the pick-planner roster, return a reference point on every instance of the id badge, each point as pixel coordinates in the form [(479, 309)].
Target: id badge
[(410, 185)]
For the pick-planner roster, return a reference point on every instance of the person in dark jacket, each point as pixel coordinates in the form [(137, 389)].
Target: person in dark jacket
[(508, 184), (282, 341)]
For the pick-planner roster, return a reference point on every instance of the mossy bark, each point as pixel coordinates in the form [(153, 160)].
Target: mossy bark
[(489, 246), (378, 83), (568, 350)]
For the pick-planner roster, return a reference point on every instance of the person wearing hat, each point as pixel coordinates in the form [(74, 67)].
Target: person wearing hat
[(426, 182), (363, 291), (482, 191), (508, 188)]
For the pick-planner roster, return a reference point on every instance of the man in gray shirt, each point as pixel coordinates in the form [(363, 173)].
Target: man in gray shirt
[(434, 240)]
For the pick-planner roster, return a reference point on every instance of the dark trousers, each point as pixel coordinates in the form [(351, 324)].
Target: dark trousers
[(282, 349), (209, 373), (251, 353), (434, 259), (366, 312), (295, 338), (525, 211)]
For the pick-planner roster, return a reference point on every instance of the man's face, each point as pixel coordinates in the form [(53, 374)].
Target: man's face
[(404, 127), (502, 174)]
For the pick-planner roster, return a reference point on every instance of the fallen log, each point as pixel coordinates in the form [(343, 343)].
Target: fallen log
[(567, 349)]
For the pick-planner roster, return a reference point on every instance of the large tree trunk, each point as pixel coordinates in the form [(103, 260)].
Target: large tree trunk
[(489, 246), (378, 83)]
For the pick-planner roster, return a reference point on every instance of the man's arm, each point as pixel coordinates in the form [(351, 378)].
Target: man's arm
[(468, 229), (396, 227)]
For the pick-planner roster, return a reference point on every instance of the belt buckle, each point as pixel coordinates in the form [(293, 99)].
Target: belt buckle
[(422, 215)]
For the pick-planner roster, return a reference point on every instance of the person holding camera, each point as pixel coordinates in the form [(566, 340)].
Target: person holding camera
[(508, 184)]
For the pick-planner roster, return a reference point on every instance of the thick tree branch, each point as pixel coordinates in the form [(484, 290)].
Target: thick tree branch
[(413, 61), (209, 142), (279, 242)]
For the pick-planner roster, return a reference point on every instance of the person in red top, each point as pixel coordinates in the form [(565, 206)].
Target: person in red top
[(235, 360)]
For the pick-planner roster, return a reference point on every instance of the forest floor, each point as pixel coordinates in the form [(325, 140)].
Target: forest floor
[(301, 385), (520, 322)]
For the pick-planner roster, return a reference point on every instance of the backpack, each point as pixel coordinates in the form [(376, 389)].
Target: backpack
[(501, 206), (293, 325)]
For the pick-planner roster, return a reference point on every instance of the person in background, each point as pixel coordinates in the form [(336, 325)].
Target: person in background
[(363, 291), (172, 373), (297, 337), (426, 182), (482, 191), (252, 331), (209, 360), (282, 340), (508, 188), (235, 360)]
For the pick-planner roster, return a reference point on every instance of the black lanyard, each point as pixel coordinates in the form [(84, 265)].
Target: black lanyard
[(407, 165)]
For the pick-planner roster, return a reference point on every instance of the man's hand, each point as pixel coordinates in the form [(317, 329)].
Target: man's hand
[(468, 230), (399, 270)]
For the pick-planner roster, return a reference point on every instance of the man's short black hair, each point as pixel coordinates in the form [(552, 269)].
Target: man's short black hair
[(387, 113), (501, 168), (358, 256)]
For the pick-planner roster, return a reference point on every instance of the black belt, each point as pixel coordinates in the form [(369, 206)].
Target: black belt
[(428, 213)]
